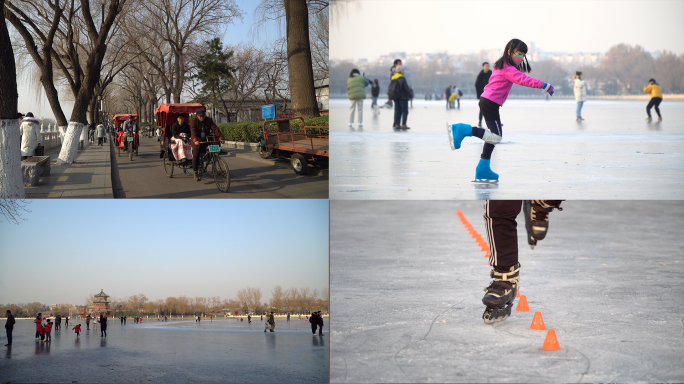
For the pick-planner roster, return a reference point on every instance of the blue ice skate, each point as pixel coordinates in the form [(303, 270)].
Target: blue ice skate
[(456, 134), (484, 174)]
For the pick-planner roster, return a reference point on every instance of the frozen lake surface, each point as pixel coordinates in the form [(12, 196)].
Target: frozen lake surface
[(614, 153), (175, 351), (407, 282)]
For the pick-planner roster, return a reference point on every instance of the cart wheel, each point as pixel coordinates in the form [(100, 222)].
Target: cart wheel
[(264, 153), (130, 151), (168, 166), (219, 170), (299, 163)]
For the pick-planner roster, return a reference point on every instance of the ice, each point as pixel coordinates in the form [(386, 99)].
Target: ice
[(614, 153), (174, 351), (407, 282)]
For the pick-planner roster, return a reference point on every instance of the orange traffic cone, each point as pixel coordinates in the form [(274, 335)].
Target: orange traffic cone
[(522, 305), (551, 343), (517, 293), (538, 322)]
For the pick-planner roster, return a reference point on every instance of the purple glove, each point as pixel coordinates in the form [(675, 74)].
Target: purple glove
[(548, 88)]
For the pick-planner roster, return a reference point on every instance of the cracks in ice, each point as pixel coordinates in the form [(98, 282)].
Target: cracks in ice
[(435, 319), (586, 371)]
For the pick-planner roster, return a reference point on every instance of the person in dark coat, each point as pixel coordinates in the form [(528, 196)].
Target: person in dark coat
[(375, 92), (58, 322), (201, 127), (66, 321), (402, 94), (314, 322), (447, 92), (103, 326), (9, 327), (320, 324), (480, 83)]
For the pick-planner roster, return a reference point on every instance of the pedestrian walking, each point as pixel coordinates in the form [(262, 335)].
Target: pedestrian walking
[(121, 318), (91, 132), (580, 94), (400, 95), (43, 326), (66, 321), (375, 92), (480, 83), (288, 317), (103, 326), (48, 331), (271, 320), (356, 84), (100, 133), (456, 97), (509, 69), (30, 136), (77, 329), (88, 318), (249, 319), (58, 323), (656, 97), (9, 327)]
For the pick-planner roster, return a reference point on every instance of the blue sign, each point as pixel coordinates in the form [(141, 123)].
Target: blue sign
[(268, 111)]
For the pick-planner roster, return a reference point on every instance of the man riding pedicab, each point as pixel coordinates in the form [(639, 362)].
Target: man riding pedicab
[(130, 128), (201, 127)]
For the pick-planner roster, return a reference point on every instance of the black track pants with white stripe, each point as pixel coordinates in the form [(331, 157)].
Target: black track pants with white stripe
[(502, 233)]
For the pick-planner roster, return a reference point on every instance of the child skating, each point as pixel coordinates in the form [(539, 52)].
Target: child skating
[(48, 331), (502, 237), (77, 329), (509, 69)]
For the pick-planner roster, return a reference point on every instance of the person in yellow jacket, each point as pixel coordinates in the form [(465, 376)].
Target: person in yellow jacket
[(656, 97)]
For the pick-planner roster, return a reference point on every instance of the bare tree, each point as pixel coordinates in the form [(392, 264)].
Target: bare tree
[(175, 27), (277, 298), (12, 209)]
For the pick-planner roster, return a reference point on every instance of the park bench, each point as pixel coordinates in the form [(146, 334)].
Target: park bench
[(33, 168)]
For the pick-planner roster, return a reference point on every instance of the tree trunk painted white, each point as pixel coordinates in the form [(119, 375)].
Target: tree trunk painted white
[(11, 180), (62, 132), (84, 136), (67, 154)]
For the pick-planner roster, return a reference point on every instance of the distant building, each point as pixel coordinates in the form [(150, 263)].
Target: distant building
[(100, 306)]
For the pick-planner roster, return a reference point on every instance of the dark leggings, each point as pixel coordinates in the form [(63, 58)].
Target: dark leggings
[(490, 111), (655, 102)]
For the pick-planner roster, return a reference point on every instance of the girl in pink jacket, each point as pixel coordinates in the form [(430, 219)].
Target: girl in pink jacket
[(509, 69)]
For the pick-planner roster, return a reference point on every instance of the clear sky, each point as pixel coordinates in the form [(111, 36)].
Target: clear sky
[(69, 249), (236, 33), (370, 28)]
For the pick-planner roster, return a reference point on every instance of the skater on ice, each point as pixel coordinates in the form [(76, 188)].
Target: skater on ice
[(580, 93), (375, 92), (356, 89), (656, 97), (509, 69), (502, 236)]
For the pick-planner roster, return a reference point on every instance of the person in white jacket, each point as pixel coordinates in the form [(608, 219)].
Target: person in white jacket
[(580, 93), (30, 135)]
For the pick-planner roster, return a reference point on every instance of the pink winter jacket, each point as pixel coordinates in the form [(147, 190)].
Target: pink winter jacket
[(502, 80)]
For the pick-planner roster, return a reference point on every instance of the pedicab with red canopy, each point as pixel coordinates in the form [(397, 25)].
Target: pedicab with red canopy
[(118, 123), (166, 116)]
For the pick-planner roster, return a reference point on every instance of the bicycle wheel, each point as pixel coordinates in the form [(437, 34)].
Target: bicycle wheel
[(130, 150), (168, 166), (221, 174)]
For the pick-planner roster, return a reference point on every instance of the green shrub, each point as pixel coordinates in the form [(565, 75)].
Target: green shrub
[(250, 132), (145, 124)]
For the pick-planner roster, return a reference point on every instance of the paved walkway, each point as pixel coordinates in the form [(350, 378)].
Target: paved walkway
[(88, 177)]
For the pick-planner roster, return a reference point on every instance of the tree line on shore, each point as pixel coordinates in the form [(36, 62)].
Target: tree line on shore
[(623, 70), (247, 300)]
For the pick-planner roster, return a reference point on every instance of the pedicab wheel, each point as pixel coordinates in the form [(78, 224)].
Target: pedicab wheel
[(299, 164), (265, 153), (168, 166), (219, 170), (130, 151)]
